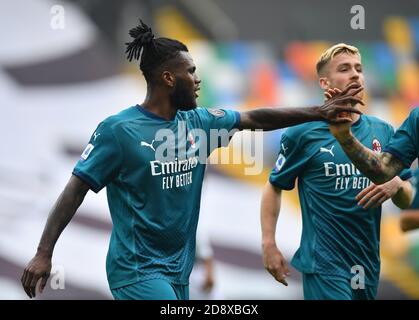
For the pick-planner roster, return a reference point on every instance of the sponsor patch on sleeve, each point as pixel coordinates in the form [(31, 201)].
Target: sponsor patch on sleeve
[(87, 151), (216, 112), (280, 162)]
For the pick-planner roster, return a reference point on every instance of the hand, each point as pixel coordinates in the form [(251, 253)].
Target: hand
[(39, 268), (276, 264), (209, 282), (341, 104), (375, 195)]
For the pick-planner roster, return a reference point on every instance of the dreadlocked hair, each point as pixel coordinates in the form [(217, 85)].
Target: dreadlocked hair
[(151, 52)]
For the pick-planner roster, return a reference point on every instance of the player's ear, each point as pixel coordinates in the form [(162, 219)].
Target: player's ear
[(324, 83), (169, 79)]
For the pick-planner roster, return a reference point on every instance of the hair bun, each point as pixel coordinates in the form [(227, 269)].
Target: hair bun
[(147, 37), (143, 36), (142, 32)]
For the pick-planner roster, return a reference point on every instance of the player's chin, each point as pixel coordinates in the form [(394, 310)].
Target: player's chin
[(189, 105)]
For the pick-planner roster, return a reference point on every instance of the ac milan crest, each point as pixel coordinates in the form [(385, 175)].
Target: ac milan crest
[(191, 140), (376, 146)]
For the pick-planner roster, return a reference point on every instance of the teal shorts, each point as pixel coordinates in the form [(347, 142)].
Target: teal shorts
[(155, 289), (320, 287)]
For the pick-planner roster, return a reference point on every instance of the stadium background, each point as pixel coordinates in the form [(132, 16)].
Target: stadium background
[(56, 85)]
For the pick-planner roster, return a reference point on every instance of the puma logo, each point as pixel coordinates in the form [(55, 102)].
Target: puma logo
[(150, 145), (328, 150), (95, 136)]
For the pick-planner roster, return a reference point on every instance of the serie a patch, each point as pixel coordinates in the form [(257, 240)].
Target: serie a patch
[(280, 162), (216, 112)]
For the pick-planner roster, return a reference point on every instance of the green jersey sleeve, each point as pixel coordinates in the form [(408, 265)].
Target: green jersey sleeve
[(289, 164), (405, 143), (101, 161)]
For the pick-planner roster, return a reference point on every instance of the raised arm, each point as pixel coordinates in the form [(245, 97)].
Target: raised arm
[(273, 259), (276, 118), (378, 167), (60, 215)]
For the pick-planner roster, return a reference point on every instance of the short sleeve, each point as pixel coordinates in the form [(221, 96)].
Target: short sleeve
[(404, 144), (218, 119), (289, 165), (101, 160), (219, 126)]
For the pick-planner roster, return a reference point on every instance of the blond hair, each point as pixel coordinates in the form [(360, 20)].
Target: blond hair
[(330, 53)]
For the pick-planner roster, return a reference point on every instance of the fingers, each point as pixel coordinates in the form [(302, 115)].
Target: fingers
[(284, 272), (24, 280), (368, 196), (327, 95), (347, 99), (373, 201), (279, 272), (30, 279), (364, 192), (340, 109), (285, 269), (283, 281), (43, 283), (355, 100), (345, 94), (381, 201), (280, 276), (356, 91), (350, 87), (330, 93), (27, 283), (349, 96), (32, 285)]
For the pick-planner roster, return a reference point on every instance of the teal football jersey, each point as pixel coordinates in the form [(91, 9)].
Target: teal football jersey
[(338, 236), (153, 176), (405, 142)]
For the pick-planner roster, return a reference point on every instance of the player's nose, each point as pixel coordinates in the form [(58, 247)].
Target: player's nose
[(354, 74), (197, 80)]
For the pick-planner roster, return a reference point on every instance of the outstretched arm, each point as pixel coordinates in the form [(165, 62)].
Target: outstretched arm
[(60, 215), (276, 118), (273, 259)]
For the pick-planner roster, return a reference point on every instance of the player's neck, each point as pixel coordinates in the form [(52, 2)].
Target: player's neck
[(160, 105)]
